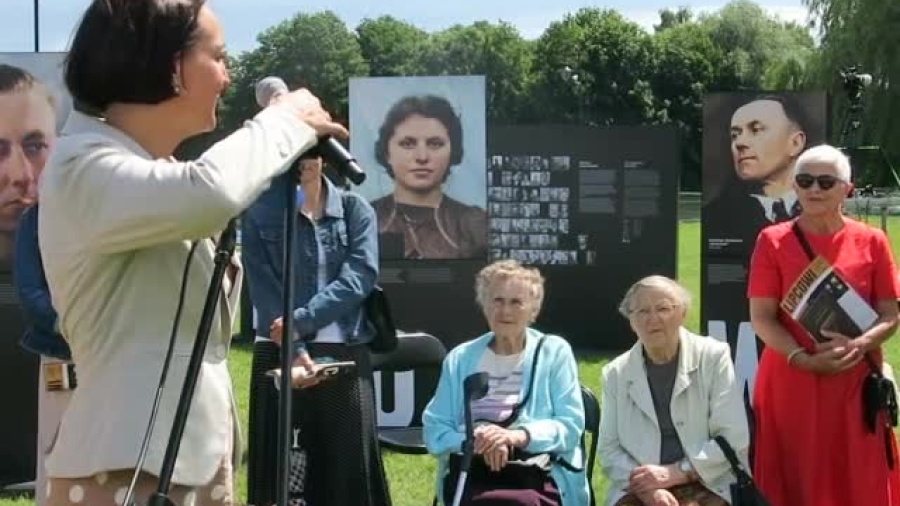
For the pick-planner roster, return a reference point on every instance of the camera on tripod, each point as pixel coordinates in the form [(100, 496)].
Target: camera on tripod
[(854, 82)]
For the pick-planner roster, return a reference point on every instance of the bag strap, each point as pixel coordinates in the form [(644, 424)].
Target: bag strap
[(804, 243), (554, 457), (737, 467), (534, 363)]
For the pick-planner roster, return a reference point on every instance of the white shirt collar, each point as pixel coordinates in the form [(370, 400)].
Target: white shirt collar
[(789, 199)]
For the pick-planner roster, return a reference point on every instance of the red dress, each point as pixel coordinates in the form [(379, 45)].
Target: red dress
[(811, 445)]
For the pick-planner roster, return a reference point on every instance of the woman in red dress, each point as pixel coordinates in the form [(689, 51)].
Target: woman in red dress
[(812, 445)]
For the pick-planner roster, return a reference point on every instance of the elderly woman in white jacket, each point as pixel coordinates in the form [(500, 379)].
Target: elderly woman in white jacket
[(664, 402)]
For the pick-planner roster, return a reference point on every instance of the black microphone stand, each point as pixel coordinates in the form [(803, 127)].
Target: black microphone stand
[(224, 252), (287, 348), (852, 122)]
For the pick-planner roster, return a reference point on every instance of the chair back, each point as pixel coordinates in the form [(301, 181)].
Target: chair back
[(592, 427), (414, 350), (406, 378)]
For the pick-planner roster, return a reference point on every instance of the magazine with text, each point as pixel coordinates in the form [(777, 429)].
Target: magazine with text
[(821, 299)]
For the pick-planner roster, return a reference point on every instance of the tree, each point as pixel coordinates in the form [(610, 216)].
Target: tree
[(594, 67), (760, 50), (688, 66), (316, 51), (392, 47), (669, 18), (496, 51), (862, 33)]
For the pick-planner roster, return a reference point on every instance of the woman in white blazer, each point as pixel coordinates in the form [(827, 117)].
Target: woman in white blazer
[(117, 223), (664, 402)]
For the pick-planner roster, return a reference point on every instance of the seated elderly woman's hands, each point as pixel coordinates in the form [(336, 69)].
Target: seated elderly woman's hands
[(494, 443), (659, 497), (645, 480), (497, 458), (489, 437)]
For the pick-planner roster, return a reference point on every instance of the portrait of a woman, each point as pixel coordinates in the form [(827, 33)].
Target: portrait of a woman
[(419, 144)]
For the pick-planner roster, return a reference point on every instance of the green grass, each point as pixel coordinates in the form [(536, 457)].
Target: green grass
[(411, 477)]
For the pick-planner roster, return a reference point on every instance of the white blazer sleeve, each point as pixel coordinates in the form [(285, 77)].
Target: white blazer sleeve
[(129, 202), (616, 463), (727, 417)]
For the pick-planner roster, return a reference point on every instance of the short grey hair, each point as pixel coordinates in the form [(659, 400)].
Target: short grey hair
[(825, 154), (674, 288), (503, 270)]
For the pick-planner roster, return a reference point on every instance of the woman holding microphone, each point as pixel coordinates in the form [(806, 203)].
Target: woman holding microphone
[(117, 222)]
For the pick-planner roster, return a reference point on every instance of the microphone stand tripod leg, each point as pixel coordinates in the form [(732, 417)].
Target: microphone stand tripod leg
[(224, 252)]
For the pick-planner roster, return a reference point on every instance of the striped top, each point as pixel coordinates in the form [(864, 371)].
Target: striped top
[(504, 387)]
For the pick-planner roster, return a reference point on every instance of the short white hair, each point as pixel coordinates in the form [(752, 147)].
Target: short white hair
[(678, 292), (504, 270), (825, 154)]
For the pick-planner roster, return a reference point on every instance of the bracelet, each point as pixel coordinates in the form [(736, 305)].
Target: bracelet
[(792, 355)]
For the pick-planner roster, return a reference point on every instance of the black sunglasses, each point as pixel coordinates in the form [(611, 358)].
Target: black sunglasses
[(825, 181)]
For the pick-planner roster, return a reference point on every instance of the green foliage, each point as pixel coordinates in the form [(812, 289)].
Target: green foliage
[(392, 47), (669, 18), (316, 51), (863, 33), (761, 52), (496, 51), (611, 61), (688, 66)]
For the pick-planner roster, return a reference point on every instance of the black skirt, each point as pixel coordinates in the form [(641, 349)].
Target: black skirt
[(336, 459)]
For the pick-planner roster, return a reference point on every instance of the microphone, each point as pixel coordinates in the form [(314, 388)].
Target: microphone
[(328, 147)]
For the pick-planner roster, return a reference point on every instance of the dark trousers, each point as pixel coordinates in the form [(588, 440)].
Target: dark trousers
[(338, 427), (485, 488), (338, 460)]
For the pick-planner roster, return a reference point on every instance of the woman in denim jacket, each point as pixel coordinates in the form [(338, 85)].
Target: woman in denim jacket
[(335, 268)]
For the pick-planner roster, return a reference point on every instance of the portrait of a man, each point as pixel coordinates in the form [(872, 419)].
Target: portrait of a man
[(428, 176), (752, 186), (27, 134)]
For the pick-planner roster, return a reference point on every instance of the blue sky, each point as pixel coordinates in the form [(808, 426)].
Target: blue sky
[(244, 19)]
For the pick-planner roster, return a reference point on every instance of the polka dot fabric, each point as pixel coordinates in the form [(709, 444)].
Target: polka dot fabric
[(109, 489)]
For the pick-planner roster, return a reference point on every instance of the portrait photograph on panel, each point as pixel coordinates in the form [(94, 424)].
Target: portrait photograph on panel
[(750, 144), (422, 142), (33, 107)]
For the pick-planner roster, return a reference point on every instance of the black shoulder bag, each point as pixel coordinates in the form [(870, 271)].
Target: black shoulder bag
[(377, 311), (878, 391), (744, 492)]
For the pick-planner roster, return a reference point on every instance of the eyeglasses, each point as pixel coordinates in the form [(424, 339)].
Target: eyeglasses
[(661, 311), (825, 181)]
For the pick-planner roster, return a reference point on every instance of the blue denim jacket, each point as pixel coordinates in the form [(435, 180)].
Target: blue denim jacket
[(347, 230), (41, 331)]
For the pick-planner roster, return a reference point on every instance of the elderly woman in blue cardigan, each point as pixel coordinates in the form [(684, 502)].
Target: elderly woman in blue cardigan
[(532, 409)]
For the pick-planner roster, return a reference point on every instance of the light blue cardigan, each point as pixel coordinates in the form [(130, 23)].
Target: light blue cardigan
[(554, 416)]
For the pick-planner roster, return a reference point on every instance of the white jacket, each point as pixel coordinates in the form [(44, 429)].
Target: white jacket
[(115, 229), (706, 402)]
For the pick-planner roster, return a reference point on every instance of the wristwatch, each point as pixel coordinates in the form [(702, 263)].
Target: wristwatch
[(684, 465)]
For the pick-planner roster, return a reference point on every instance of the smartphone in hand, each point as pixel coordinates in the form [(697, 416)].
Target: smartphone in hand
[(301, 377)]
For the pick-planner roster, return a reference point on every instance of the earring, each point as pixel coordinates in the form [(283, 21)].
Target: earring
[(175, 86)]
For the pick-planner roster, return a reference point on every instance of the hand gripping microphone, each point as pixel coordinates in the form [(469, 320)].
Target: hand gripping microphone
[(329, 148)]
